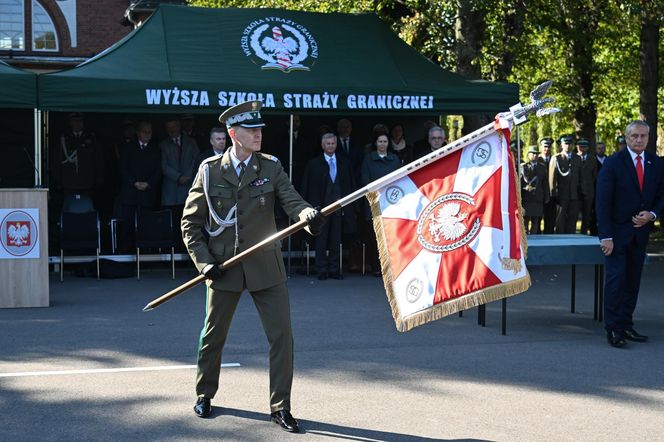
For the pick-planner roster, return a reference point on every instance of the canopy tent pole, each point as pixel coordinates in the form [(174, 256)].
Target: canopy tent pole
[(290, 176), (38, 147)]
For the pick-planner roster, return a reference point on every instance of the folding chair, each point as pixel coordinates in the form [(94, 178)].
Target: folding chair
[(154, 229), (79, 231)]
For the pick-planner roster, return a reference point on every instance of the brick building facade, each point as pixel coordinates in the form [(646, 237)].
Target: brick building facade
[(45, 35)]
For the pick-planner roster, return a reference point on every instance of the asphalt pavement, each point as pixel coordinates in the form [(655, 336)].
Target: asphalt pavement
[(93, 366)]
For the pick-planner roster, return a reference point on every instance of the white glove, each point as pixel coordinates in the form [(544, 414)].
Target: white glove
[(308, 214)]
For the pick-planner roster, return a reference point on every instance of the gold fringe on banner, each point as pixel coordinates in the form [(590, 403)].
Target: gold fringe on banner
[(446, 308)]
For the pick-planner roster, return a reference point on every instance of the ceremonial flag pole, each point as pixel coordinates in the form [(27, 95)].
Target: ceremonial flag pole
[(517, 115)]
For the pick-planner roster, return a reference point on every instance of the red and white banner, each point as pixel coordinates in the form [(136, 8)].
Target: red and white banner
[(450, 234)]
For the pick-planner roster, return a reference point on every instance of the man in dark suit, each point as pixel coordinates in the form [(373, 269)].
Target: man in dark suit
[(564, 175), (327, 178), (630, 196), (178, 160), (352, 151), (140, 174)]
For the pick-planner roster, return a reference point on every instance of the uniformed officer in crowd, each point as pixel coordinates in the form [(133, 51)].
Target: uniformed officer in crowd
[(80, 168), (232, 200), (534, 190), (564, 182), (587, 189), (546, 153)]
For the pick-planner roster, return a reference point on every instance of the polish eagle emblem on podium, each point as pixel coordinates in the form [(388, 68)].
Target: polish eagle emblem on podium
[(18, 233)]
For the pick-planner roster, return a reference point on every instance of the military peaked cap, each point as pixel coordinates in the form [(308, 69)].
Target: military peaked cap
[(245, 114), (546, 141), (583, 142)]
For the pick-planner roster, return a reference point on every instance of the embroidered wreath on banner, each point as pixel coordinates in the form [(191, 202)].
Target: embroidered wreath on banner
[(445, 220)]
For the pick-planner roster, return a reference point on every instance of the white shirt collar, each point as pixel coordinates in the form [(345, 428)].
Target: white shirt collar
[(235, 160), (330, 158), (634, 155)]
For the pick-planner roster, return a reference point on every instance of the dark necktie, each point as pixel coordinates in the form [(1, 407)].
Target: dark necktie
[(639, 171), (240, 174), (178, 148)]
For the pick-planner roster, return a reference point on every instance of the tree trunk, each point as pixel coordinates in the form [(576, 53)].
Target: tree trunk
[(649, 82), (468, 32), (513, 27)]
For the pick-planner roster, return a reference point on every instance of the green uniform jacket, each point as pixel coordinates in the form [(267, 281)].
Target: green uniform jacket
[(264, 181), (568, 187)]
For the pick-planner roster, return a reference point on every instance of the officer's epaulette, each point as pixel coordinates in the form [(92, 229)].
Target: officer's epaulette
[(267, 156), (212, 158)]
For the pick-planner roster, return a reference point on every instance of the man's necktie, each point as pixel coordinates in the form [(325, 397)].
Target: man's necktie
[(241, 169), (345, 143), (178, 148), (333, 170), (639, 171)]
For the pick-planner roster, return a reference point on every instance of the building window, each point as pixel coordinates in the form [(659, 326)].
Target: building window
[(44, 37), (12, 31)]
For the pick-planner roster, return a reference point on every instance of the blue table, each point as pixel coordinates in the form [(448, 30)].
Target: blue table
[(563, 250)]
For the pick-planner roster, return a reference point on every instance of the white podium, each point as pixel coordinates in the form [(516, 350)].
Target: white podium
[(23, 248)]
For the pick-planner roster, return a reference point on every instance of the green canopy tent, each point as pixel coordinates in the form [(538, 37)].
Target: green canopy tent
[(19, 88), (201, 60), (19, 91)]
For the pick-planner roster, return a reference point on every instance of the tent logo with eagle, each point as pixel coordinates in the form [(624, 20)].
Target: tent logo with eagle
[(282, 44), (18, 233)]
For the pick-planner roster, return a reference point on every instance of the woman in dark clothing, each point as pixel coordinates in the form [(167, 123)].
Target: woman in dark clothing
[(399, 146), (376, 164)]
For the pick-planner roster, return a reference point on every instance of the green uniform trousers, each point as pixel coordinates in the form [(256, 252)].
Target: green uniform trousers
[(274, 309)]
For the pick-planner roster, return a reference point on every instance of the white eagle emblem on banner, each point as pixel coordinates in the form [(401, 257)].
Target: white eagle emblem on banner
[(280, 44), (448, 222)]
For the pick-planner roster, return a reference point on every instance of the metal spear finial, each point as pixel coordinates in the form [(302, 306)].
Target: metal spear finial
[(537, 101)]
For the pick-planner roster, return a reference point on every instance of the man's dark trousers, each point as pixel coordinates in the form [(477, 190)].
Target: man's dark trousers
[(623, 279)]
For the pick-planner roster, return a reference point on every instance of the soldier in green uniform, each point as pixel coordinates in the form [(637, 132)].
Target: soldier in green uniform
[(564, 183), (230, 208), (587, 178), (534, 190)]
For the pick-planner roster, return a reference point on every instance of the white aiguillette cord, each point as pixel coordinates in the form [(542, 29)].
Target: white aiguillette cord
[(230, 219)]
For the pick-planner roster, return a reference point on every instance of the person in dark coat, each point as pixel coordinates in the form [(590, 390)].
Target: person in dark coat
[(376, 164), (80, 166), (348, 147), (399, 145), (534, 190), (326, 179), (140, 176), (564, 182), (600, 157), (587, 185)]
